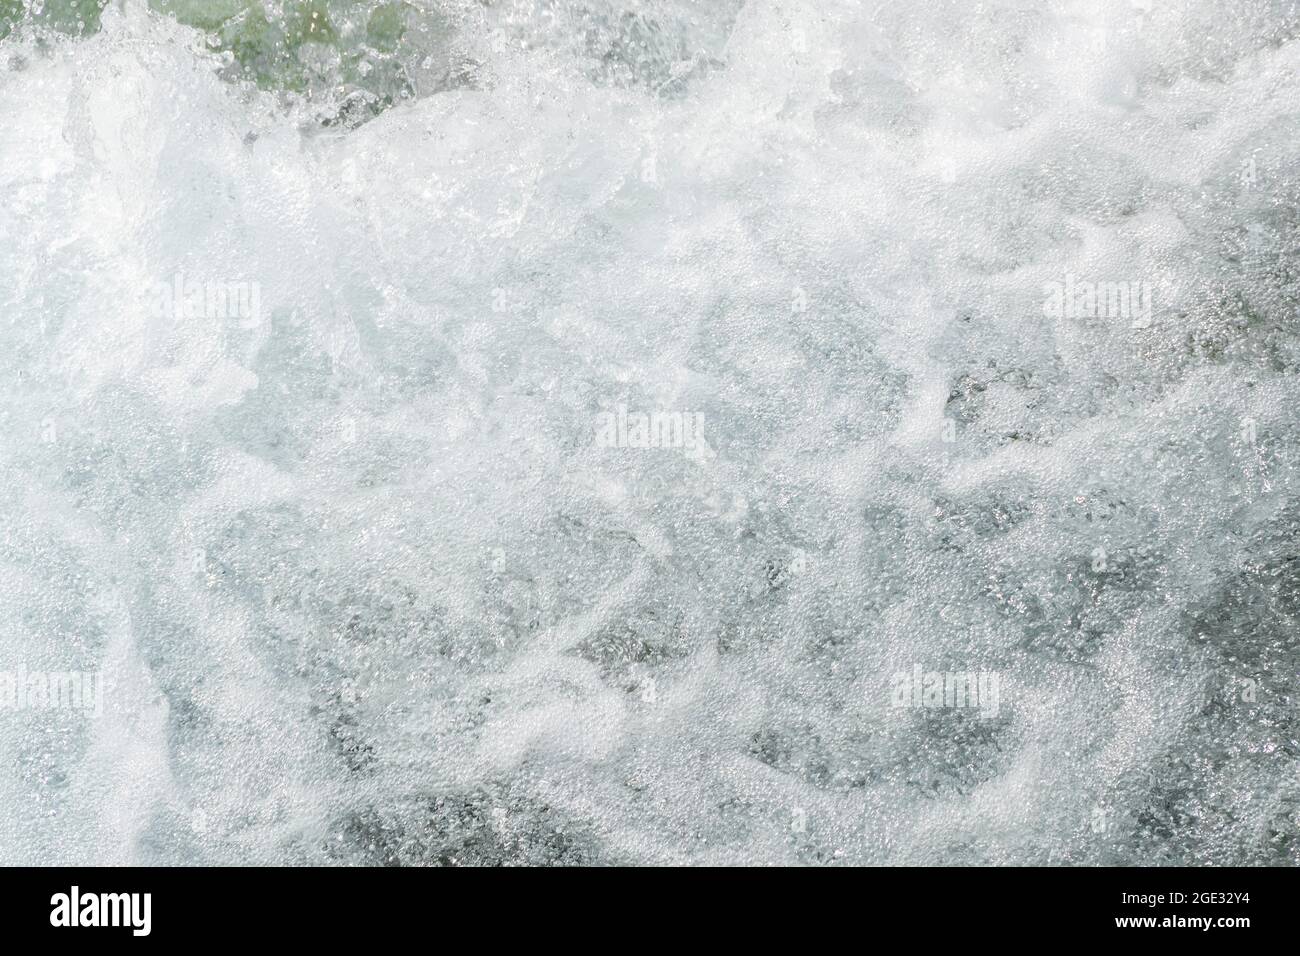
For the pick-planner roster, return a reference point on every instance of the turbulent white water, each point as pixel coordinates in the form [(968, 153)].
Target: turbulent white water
[(363, 584)]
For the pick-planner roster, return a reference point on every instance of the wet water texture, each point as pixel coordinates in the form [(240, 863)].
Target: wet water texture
[(552, 433)]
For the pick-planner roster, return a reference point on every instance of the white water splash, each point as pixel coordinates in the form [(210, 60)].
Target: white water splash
[(365, 587)]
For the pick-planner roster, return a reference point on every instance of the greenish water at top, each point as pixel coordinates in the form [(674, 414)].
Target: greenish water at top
[(363, 48)]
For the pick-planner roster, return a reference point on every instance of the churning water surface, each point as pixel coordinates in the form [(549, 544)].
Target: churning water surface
[(813, 431)]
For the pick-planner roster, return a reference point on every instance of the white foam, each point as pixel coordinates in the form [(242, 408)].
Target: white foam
[(370, 579)]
